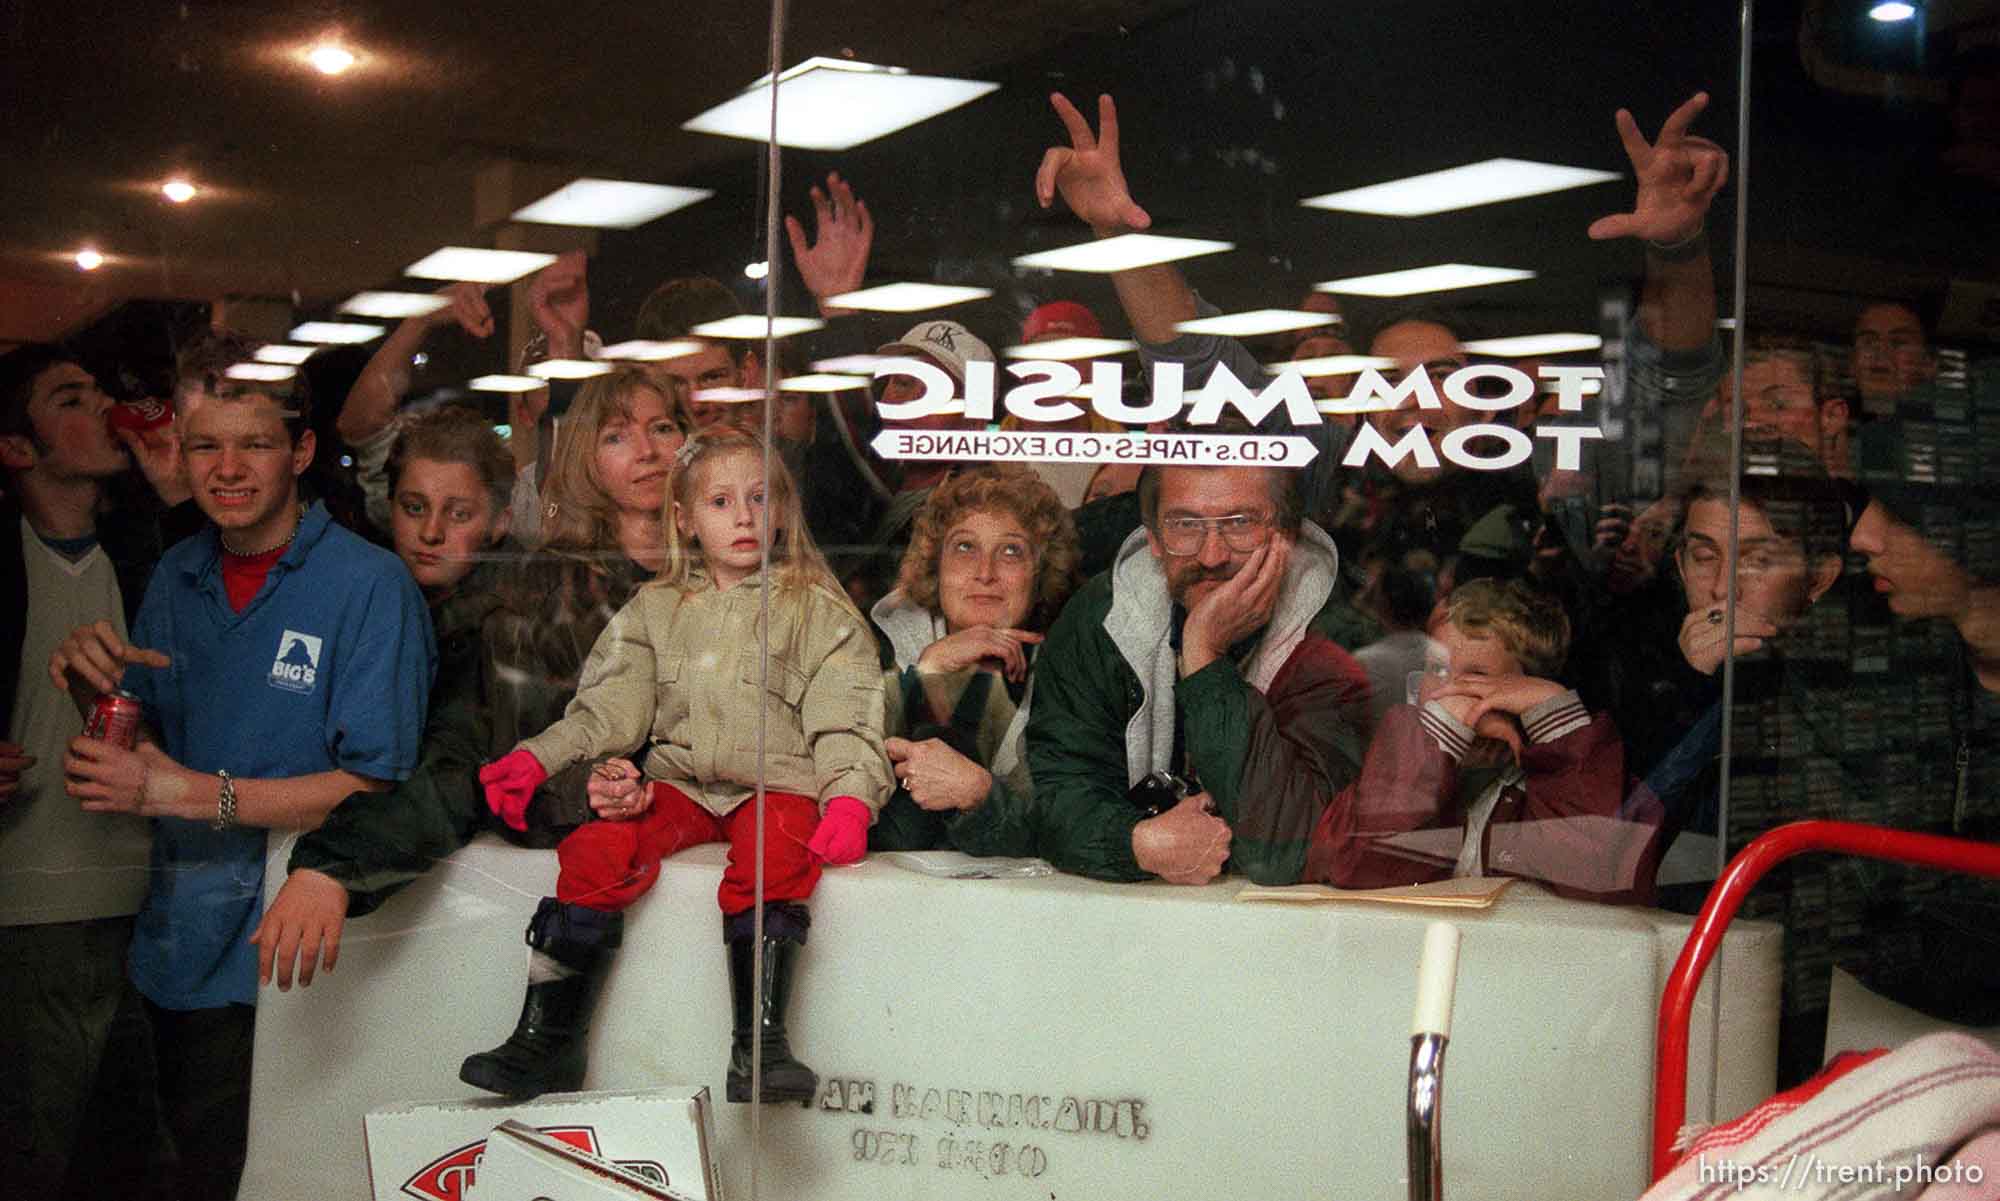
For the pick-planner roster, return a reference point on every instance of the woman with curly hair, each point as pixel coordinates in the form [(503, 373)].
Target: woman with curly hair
[(992, 557)]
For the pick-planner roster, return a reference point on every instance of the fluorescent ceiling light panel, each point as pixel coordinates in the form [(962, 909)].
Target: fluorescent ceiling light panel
[(279, 352), (1062, 350), (1525, 344), (507, 383), (1474, 184), (751, 326), (1442, 278), (1332, 364), (568, 369), (836, 104), (609, 203), (907, 298), (341, 333), (823, 382), (266, 372), (478, 266), (863, 364), (727, 396), (1256, 322), (1122, 253), (642, 351), (393, 306)]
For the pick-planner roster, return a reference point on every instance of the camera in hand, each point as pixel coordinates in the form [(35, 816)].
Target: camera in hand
[(1159, 792)]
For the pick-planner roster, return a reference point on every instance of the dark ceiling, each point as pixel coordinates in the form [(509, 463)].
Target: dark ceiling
[(1234, 111)]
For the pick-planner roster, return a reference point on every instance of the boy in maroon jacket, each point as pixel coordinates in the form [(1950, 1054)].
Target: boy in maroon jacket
[(1493, 769)]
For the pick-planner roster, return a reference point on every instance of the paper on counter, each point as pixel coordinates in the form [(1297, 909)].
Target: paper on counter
[(1471, 892), (955, 865)]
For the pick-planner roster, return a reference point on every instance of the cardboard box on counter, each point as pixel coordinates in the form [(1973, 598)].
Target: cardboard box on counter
[(432, 1151)]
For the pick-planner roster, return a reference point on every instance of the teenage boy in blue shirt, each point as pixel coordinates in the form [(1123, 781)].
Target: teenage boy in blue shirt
[(283, 663)]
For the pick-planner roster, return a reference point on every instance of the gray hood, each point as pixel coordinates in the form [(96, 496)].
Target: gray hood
[(1138, 626)]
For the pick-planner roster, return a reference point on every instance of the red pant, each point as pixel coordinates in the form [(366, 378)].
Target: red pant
[(608, 865)]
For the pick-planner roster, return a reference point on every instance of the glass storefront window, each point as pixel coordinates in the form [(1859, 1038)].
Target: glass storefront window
[(928, 622)]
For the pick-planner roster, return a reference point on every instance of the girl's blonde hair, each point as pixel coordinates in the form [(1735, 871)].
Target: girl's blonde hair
[(578, 516), (796, 563)]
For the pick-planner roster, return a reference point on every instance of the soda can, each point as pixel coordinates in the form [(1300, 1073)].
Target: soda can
[(140, 416), (115, 717)]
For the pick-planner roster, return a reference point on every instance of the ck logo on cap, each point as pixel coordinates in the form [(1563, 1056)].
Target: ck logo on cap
[(943, 334), (297, 665)]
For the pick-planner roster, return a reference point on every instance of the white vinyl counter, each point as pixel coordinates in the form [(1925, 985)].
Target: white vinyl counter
[(1120, 1041)]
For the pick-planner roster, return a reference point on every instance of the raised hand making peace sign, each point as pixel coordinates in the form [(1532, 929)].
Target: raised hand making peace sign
[(1679, 175), (1087, 174)]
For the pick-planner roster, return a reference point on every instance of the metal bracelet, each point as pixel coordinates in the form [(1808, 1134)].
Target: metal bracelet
[(225, 803)]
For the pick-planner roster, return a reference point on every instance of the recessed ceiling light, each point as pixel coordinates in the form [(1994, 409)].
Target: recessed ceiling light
[(1894, 10), (1122, 253), (506, 383), (1487, 182), (1442, 278), (1256, 322), (751, 326), (569, 369), (609, 203), (823, 382), (836, 104), (262, 372), (1332, 364), (338, 332), (478, 266), (278, 352), (862, 364), (88, 259), (393, 306), (640, 350), (907, 298), (756, 270), (330, 58), (179, 191), (1525, 344), (1061, 350)]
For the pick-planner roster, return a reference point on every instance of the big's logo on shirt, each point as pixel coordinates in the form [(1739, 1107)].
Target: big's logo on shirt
[(296, 667)]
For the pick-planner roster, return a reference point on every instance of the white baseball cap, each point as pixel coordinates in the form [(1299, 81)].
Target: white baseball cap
[(951, 344)]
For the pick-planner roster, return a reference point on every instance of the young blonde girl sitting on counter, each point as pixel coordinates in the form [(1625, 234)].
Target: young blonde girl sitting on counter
[(676, 674)]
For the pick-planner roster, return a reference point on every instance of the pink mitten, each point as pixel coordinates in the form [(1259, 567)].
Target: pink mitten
[(510, 780), (842, 836)]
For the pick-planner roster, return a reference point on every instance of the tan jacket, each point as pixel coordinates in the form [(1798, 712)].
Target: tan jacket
[(680, 669)]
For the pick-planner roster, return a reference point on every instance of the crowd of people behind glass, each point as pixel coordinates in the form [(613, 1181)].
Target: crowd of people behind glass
[(1396, 673)]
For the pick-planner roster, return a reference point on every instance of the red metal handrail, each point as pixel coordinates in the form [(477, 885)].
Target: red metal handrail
[(1750, 865)]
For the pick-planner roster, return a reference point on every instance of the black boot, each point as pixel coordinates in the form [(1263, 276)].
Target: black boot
[(759, 1008), (545, 1054)]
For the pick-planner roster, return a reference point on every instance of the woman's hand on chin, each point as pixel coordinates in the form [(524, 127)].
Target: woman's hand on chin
[(956, 652)]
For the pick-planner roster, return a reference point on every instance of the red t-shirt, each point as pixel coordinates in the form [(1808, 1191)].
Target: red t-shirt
[(243, 575)]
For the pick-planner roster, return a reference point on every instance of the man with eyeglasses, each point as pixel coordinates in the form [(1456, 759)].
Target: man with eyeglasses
[(1210, 652)]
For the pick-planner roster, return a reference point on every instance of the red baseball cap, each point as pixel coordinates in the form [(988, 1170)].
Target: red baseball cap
[(1061, 319)]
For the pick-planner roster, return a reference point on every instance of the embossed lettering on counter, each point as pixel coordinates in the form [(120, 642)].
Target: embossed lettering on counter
[(983, 1139)]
